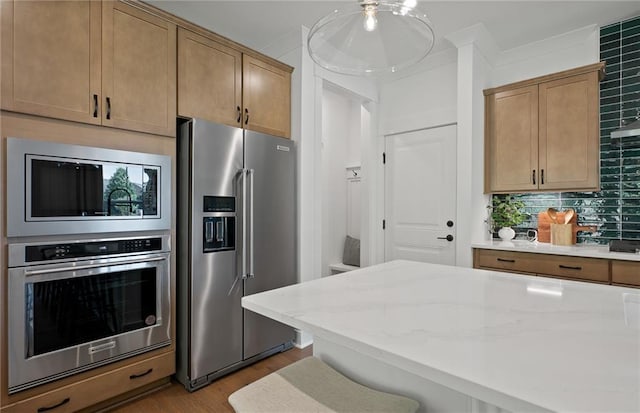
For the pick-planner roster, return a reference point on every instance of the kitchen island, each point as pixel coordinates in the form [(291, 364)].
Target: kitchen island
[(461, 339)]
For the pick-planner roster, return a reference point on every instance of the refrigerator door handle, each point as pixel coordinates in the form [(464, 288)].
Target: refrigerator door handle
[(251, 250), (243, 274)]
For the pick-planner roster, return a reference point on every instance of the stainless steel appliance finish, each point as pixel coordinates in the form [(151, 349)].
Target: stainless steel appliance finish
[(236, 236), (62, 292), (55, 189)]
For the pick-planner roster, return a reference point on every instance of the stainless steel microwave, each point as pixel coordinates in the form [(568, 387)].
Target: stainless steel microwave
[(55, 189)]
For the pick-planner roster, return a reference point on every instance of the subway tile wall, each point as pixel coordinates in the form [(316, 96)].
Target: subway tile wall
[(615, 209)]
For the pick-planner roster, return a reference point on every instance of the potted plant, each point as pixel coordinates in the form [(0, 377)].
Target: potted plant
[(506, 213)]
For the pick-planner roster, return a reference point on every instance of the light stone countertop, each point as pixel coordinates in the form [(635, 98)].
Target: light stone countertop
[(578, 250), (562, 345)]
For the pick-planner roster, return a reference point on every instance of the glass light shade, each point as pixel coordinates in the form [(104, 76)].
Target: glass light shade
[(355, 41)]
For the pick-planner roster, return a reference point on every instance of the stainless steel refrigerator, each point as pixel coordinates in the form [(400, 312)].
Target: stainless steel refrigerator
[(236, 236)]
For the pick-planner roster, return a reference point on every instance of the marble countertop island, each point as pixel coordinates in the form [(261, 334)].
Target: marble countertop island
[(519, 343)]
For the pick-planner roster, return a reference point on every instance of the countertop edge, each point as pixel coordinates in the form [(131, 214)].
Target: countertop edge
[(586, 251)]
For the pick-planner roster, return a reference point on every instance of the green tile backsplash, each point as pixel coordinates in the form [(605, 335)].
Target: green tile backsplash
[(615, 210)]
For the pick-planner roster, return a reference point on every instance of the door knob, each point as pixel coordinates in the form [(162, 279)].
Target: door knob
[(448, 237)]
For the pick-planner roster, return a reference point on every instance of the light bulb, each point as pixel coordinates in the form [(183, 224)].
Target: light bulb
[(370, 20)]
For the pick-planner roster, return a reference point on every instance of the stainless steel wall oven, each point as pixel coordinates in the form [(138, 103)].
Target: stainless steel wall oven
[(55, 189), (75, 305)]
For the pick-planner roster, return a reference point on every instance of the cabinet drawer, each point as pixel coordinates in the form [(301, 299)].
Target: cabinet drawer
[(505, 261), (88, 392), (625, 272), (591, 269)]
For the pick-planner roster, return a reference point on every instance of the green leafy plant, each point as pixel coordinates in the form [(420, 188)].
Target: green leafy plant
[(507, 212)]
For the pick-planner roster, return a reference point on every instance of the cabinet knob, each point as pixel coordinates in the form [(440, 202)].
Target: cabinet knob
[(533, 176), (239, 114), (246, 116)]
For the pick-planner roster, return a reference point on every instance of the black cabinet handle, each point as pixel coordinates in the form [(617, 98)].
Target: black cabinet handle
[(239, 114), (46, 409), (505, 260), (95, 106), (108, 107), (246, 116), (541, 176), (566, 267), (137, 376), (533, 176), (448, 237)]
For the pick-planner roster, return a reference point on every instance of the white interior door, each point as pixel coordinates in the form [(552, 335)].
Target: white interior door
[(420, 195)]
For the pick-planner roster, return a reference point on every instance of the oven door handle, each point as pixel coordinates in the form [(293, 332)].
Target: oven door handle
[(86, 267)]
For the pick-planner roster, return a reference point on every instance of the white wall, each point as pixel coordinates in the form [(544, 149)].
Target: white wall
[(420, 100), (566, 51)]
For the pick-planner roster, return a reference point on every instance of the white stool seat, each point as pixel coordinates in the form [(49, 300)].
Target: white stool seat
[(310, 385)]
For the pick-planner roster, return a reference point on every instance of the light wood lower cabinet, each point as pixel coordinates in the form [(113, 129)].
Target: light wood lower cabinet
[(504, 261), (558, 266), (625, 273), (91, 391), (576, 268)]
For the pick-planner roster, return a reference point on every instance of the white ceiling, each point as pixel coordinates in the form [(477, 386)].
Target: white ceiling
[(258, 24)]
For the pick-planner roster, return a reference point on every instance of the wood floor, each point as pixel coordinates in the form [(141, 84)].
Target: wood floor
[(212, 398)]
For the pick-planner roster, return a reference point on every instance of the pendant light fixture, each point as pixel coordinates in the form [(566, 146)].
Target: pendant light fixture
[(371, 37)]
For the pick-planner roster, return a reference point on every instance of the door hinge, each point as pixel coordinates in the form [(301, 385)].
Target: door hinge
[(384, 158), (384, 224)]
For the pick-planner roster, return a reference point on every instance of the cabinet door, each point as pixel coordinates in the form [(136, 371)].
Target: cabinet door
[(266, 96), (625, 273), (209, 79), (51, 58), (509, 261), (138, 70), (568, 133), (511, 157)]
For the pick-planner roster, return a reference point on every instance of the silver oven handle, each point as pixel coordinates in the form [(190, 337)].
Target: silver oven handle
[(85, 267), (102, 347), (251, 273)]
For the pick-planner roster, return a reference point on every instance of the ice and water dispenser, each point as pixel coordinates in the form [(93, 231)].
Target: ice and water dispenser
[(219, 230)]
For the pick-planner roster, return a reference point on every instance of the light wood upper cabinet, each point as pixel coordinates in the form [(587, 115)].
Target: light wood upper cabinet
[(51, 58), (221, 84), (569, 133), (102, 63), (266, 97), (209, 79), (138, 70), (542, 134), (512, 139)]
